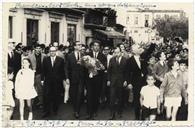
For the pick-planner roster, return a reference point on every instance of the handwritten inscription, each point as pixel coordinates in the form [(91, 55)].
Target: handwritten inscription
[(81, 5), (58, 123)]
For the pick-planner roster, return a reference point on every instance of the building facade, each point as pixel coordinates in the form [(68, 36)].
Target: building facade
[(100, 24), (140, 23), (46, 25)]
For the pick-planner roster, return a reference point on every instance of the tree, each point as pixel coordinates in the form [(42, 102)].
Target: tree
[(170, 27)]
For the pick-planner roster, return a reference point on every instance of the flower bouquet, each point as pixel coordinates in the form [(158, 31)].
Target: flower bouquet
[(92, 64)]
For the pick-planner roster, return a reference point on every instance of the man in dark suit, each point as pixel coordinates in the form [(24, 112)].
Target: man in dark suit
[(76, 75), (36, 59), (94, 84), (135, 75), (53, 74), (11, 54), (116, 79)]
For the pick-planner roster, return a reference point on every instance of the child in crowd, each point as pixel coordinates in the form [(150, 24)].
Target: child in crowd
[(24, 87), (183, 70), (160, 68), (8, 100), (151, 63), (149, 99), (171, 89)]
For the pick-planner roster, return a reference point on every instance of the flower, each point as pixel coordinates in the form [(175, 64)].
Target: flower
[(92, 64)]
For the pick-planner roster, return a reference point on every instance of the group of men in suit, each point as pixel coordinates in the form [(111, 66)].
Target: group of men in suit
[(52, 72)]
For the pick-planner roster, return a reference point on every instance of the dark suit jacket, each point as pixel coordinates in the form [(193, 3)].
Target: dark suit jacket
[(10, 61), (116, 71), (75, 72), (17, 62), (134, 73), (53, 76), (33, 59)]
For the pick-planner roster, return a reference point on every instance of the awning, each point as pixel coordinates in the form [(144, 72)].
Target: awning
[(110, 34)]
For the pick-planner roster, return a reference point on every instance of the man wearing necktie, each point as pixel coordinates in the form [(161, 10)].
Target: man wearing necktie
[(10, 54), (76, 78), (116, 79), (53, 75), (94, 85)]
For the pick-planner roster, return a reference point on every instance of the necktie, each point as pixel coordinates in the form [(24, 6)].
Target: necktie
[(94, 54), (78, 56), (12, 54), (117, 59), (52, 61)]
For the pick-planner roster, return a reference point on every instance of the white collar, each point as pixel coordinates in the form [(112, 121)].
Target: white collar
[(53, 57), (137, 57)]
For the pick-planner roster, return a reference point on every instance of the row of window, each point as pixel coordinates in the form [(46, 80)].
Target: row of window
[(146, 23), (136, 20), (32, 31)]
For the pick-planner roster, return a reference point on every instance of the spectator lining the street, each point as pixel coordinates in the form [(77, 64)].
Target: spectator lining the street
[(172, 89)]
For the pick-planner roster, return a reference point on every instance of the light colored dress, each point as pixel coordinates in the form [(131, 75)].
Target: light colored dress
[(24, 84)]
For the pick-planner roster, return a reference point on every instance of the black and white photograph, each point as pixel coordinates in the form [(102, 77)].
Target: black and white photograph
[(97, 62)]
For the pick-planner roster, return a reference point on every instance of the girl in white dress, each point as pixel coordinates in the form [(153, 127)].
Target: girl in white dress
[(24, 87)]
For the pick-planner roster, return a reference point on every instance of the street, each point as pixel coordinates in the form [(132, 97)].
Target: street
[(66, 113)]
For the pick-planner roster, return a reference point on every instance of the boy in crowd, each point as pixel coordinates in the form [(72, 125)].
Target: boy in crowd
[(171, 90), (183, 67), (160, 68), (150, 99)]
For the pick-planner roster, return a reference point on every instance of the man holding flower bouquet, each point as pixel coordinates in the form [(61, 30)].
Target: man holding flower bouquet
[(95, 80)]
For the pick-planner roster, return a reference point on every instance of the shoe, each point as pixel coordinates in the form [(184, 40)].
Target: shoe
[(40, 106), (55, 113), (46, 115), (95, 114), (120, 115), (76, 115), (90, 117), (112, 117)]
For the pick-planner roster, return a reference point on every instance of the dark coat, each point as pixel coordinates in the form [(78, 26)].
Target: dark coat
[(116, 72), (134, 74), (75, 72), (53, 76)]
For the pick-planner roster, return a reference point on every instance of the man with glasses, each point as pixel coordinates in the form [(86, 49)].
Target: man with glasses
[(105, 95), (53, 76)]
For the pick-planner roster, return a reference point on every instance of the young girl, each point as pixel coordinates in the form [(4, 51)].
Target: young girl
[(149, 99), (8, 100), (171, 89), (24, 87)]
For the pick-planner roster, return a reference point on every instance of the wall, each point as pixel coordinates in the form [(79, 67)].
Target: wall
[(44, 27)]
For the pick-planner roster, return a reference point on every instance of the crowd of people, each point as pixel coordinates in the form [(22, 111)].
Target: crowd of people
[(152, 76)]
